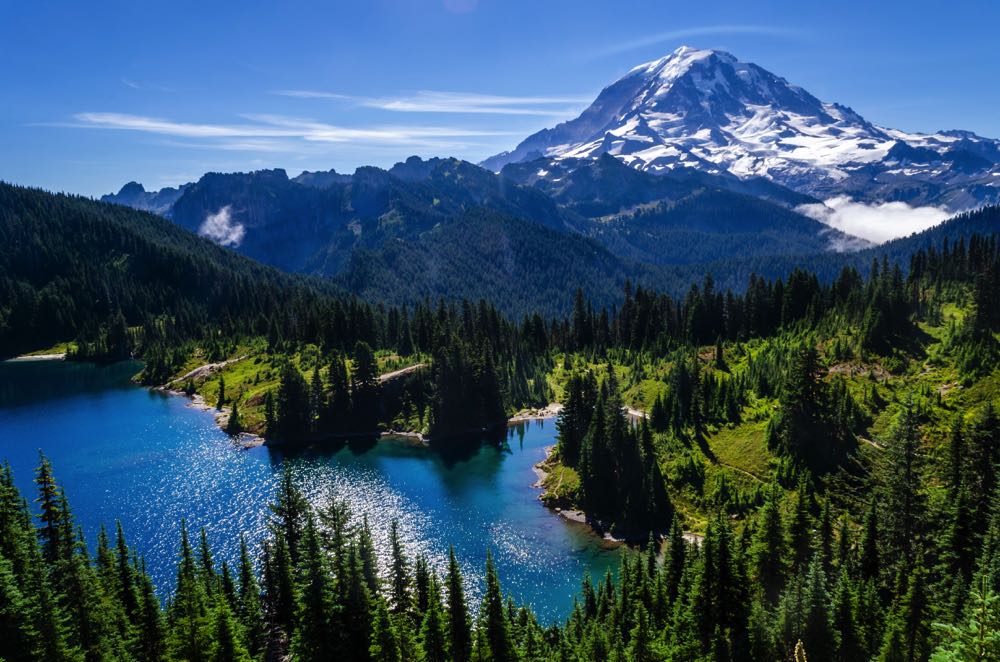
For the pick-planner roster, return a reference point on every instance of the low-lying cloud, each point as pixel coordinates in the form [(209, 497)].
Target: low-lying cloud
[(220, 228), (879, 222)]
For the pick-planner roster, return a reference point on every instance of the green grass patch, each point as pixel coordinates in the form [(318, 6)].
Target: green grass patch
[(743, 447)]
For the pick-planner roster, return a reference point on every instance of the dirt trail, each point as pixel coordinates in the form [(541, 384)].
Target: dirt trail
[(402, 372), (207, 369)]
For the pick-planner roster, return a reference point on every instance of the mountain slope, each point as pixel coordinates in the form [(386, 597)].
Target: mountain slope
[(681, 217), (520, 266), (71, 263), (709, 111), (315, 222)]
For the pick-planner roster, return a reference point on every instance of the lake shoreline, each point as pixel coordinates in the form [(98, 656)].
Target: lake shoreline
[(572, 515)]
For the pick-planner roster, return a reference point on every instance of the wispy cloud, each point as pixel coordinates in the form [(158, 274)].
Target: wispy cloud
[(280, 133), (427, 101), (274, 126), (875, 222), (136, 85), (699, 31)]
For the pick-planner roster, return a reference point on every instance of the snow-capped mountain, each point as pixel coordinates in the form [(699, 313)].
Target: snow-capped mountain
[(707, 110)]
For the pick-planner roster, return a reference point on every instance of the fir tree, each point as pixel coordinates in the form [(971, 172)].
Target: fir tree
[(459, 638), (385, 641), (494, 618)]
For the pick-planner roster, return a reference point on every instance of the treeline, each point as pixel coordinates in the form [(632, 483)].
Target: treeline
[(881, 304)]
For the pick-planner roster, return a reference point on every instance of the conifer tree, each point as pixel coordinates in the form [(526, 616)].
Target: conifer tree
[(495, 625), (459, 637), (364, 389), (844, 623), (433, 631), (357, 608), (317, 623), (767, 553), (221, 400), (869, 560), (234, 425), (250, 610), (385, 641), (818, 634), (291, 416), (402, 598), (228, 645), (903, 494), (190, 630)]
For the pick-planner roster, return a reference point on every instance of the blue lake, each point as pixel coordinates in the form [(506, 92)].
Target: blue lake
[(147, 459)]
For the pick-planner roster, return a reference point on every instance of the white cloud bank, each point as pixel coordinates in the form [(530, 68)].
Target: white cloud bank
[(878, 223), (220, 228)]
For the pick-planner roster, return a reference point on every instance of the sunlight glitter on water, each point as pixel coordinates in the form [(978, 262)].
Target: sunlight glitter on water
[(148, 459)]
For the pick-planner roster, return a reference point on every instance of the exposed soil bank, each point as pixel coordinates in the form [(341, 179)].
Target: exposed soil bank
[(38, 357)]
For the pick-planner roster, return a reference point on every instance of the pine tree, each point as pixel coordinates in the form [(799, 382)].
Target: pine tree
[(459, 637), (234, 425), (433, 631), (640, 647), (19, 640), (250, 611), (221, 400), (317, 625), (402, 599), (291, 416), (907, 635), (366, 555), (385, 641), (869, 560), (315, 397), (54, 545), (848, 645), (365, 390), (767, 553), (979, 637), (190, 631), (902, 494), (495, 624), (800, 529), (151, 637), (228, 645), (357, 608), (818, 634), (289, 513), (280, 588)]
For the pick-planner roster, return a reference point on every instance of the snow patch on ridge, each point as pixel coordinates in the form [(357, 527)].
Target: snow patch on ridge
[(876, 222)]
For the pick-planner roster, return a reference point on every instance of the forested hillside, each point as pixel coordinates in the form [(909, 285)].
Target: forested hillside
[(814, 455), (400, 234), (70, 266)]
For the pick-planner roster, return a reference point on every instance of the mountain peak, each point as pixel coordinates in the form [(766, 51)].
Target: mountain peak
[(132, 188), (679, 61), (708, 110)]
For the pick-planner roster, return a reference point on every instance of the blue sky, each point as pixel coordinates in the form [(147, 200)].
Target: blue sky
[(95, 94)]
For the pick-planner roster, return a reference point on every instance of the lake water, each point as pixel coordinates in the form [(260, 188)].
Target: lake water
[(148, 459)]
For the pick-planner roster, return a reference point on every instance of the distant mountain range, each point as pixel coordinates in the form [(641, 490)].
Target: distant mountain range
[(693, 162), (353, 227), (705, 110)]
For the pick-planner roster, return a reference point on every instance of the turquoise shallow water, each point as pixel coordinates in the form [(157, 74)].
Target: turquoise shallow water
[(124, 452)]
